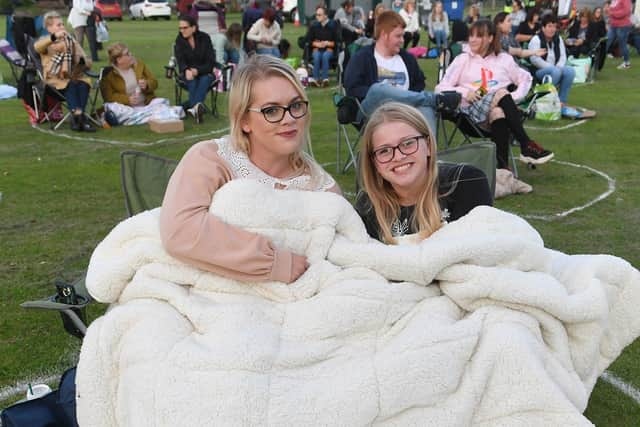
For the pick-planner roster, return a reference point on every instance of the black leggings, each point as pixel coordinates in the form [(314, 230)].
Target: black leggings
[(502, 129)]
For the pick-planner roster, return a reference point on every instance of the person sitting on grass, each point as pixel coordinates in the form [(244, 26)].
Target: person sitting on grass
[(63, 65), (412, 19), (129, 91), (554, 64), (406, 191), (352, 26), (583, 35), (518, 16), (530, 27), (502, 22), (196, 58), (269, 120), (266, 33), (322, 37), (439, 26), (482, 74), (131, 82), (384, 71), (371, 22), (474, 14)]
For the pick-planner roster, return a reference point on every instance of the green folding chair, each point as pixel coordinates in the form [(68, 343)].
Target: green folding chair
[(481, 154), (144, 180)]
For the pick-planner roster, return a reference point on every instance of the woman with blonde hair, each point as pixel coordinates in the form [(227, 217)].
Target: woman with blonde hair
[(405, 190), (269, 121), (63, 65), (412, 20), (439, 26)]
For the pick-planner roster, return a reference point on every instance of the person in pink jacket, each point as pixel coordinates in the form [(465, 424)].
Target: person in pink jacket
[(482, 74), (269, 120), (619, 28)]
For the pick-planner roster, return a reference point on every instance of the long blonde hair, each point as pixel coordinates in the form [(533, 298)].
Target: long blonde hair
[(257, 68), (426, 216), (440, 15)]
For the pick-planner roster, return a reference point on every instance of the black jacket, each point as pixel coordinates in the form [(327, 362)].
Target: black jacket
[(362, 72), (592, 32), (202, 57)]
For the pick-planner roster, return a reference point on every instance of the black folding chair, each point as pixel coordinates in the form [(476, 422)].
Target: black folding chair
[(180, 84)]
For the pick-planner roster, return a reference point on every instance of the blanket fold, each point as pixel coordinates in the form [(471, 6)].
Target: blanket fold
[(477, 325)]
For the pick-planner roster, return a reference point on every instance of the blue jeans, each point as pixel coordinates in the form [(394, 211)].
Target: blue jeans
[(273, 51), (232, 55), (321, 64), (441, 39), (198, 88), (621, 34), (77, 94), (424, 101), (562, 78)]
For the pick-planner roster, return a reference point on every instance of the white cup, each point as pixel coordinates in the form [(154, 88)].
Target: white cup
[(37, 391)]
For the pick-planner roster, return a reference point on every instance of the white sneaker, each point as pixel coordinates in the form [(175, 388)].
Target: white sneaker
[(610, 56), (313, 82), (624, 66)]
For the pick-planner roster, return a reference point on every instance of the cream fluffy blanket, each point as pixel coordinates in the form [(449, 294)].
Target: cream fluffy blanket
[(478, 325)]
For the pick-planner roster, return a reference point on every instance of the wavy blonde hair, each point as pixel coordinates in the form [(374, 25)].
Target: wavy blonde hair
[(257, 68), (384, 200)]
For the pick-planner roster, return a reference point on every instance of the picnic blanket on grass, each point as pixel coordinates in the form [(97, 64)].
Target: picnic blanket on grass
[(477, 325)]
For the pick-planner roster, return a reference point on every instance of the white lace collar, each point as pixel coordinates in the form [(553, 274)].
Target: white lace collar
[(242, 167)]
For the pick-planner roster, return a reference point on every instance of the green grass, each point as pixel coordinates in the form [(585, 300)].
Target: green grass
[(61, 196)]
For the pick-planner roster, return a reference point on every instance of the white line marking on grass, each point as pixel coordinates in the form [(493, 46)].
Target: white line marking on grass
[(611, 188), (618, 383), (569, 126), (22, 385), (131, 143)]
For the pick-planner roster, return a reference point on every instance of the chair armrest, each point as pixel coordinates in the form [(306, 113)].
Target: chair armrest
[(51, 304)]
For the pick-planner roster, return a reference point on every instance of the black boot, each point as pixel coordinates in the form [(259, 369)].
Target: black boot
[(75, 122), (85, 124)]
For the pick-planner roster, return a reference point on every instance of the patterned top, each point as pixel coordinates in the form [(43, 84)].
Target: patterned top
[(242, 167)]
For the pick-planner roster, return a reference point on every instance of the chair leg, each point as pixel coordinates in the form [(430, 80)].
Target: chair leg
[(338, 145), (64, 119), (214, 102)]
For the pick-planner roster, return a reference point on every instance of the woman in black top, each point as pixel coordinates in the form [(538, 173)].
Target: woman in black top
[(530, 27), (582, 35), (405, 190), (196, 58)]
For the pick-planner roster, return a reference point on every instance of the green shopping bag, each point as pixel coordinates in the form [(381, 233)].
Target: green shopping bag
[(581, 67), (547, 107), (293, 61)]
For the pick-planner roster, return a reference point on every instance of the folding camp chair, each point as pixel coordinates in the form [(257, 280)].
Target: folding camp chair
[(16, 61), (172, 72), (97, 85), (598, 56), (46, 98), (144, 180)]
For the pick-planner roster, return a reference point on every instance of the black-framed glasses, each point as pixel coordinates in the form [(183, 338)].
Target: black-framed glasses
[(406, 147), (275, 113)]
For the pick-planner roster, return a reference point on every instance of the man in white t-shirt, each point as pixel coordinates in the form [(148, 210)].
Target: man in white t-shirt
[(385, 72)]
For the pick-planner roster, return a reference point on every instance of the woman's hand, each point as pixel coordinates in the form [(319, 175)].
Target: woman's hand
[(472, 96), (540, 52), (143, 84), (299, 265)]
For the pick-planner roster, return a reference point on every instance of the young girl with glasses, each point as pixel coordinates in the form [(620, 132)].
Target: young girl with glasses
[(269, 120), (405, 190)]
